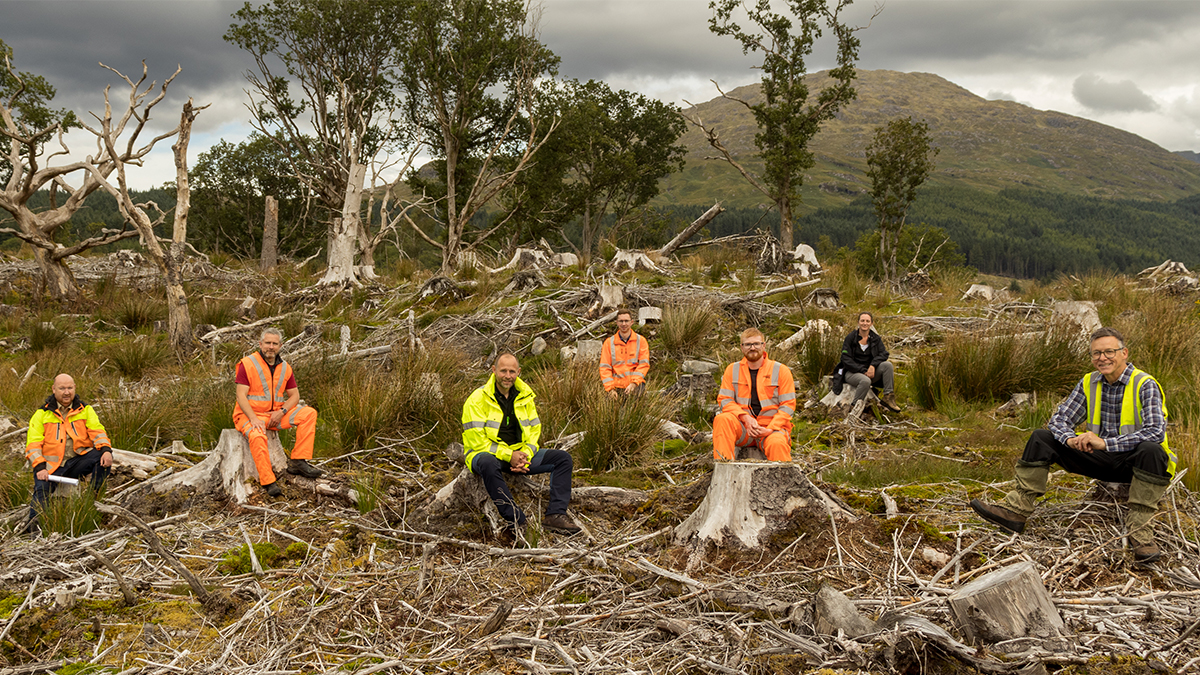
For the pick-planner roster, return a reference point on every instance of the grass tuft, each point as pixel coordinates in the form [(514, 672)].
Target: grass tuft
[(137, 357), (620, 433), (137, 311), (683, 327)]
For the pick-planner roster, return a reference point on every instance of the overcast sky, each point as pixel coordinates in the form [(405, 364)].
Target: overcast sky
[(1127, 63)]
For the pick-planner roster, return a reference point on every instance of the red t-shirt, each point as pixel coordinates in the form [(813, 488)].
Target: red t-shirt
[(242, 378)]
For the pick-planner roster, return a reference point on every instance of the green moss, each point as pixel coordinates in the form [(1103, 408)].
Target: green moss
[(9, 605), (296, 551), (927, 530), (237, 561)]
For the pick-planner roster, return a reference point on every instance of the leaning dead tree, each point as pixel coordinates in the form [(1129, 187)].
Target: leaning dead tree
[(31, 161), (169, 260)]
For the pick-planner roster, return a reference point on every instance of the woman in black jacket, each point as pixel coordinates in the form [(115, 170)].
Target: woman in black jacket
[(864, 360)]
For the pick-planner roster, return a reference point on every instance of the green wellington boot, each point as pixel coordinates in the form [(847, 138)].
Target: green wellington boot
[(1145, 491)]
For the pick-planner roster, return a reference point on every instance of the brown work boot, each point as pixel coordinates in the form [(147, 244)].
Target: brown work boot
[(301, 467), (560, 523), (1145, 553), (889, 401), (998, 515)]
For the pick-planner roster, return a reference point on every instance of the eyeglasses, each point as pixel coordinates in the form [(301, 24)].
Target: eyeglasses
[(1106, 353), (752, 344)]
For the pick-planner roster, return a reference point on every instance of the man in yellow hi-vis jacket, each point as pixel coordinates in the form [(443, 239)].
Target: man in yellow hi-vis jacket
[(1125, 441), (501, 430), (65, 440)]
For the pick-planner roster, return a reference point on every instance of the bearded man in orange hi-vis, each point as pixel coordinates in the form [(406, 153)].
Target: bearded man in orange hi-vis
[(756, 402), (268, 399)]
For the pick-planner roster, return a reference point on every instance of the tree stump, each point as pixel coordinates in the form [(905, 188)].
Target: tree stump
[(634, 260), (227, 468), (749, 503), (1008, 603)]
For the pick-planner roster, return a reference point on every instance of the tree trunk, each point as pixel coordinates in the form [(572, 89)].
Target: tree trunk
[(785, 223), (689, 231), (179, 320), (343, 243), (270, 241), (60, 283), (227, 468)]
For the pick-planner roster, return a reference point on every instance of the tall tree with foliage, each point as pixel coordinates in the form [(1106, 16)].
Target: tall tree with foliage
[(470, 78), (343, 57), (605, 158), (788, 117), (34, 136), (899, 159)]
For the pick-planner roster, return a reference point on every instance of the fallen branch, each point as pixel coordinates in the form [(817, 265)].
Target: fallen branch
[(156, 545)]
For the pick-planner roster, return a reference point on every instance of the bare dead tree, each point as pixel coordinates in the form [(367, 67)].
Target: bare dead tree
[(146, 216), (31, 154)]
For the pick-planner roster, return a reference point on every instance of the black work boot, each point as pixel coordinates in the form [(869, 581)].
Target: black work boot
[(301, 467), (273, 489), (560, 523)]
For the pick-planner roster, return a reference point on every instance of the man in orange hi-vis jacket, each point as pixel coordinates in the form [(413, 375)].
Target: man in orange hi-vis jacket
[(268, 398), (756, 402), (624, 358)]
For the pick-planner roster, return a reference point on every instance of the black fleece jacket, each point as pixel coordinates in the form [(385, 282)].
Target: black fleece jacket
[(855, 359)]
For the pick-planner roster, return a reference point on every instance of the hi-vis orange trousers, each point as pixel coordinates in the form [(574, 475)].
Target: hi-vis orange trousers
[(728, 435), (303, 418)]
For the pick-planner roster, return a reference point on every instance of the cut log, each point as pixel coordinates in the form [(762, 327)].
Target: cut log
[(1076, 315), (690, 231), (459, 500), (227, 468), (812, 327), (649, 315), (1005, 604), (608, 297), (749, 503)]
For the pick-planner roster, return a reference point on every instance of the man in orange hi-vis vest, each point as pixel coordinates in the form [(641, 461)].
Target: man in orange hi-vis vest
[(756, 402), (268, 398), (624, 358)]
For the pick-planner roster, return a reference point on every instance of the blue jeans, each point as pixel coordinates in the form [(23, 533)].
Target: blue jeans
[(75, 467), (492, 470)]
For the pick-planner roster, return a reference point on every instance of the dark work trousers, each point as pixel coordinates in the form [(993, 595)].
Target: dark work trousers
[(492, 470), (75, 467), (1044, 449)]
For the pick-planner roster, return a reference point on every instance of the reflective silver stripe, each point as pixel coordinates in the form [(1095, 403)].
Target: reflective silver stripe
[(492, 424), (262, 381), (292, 417), (494, 448), (283, 369), (1093, 404), (737, 371), (787, 397), (530, 423), (742, 400), (607, 380), (50, 459), (768, 402), (258, 398), (612, 350), (775, 375), (725, 392), (472, 425), (787, 410), (644, 362), (1136, 382)]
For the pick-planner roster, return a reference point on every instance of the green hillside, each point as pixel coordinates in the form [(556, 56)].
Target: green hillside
[(986, 145)]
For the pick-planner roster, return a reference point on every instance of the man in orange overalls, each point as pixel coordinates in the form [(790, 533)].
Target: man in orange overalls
[(624, 359), (268, 398), (756, 402)]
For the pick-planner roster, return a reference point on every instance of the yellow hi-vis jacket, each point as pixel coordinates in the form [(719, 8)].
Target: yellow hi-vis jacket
[(624, 363), (48, 433), (1131, 407), (776, 393), (481, 418)]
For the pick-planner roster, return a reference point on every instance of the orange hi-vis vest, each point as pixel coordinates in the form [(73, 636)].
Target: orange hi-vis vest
[(624, 363), (776, 393), (268, 391)]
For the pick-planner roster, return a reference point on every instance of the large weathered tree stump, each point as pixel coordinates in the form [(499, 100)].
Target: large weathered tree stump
[(749, 503), (1005, 604), (227, 468)]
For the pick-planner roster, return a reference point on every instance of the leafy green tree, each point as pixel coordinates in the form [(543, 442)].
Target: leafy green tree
[(899, 160), (229, 186), (603, 162), (470, 77), (343, 58), (788, 117)]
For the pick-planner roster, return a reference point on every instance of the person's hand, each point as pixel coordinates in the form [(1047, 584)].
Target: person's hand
[(256, 423), (612, 393), (630, 387), (753, 428), (871, 372), (1086, 442), (42, 475), (276, 418), (519, 463), (106, 459)]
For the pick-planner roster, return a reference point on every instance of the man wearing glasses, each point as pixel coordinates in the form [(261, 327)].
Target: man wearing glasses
[(624, 359), (756, 403), (1125, 441)]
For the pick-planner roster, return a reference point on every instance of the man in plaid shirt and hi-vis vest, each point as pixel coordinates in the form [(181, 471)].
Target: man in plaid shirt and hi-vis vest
[(624, 358), (1125, 441)]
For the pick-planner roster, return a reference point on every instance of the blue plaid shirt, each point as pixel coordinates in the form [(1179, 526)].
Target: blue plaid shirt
[(1073, 411)]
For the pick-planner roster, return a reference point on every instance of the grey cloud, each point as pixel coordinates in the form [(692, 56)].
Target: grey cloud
[(1124, 96), (994, 95)]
